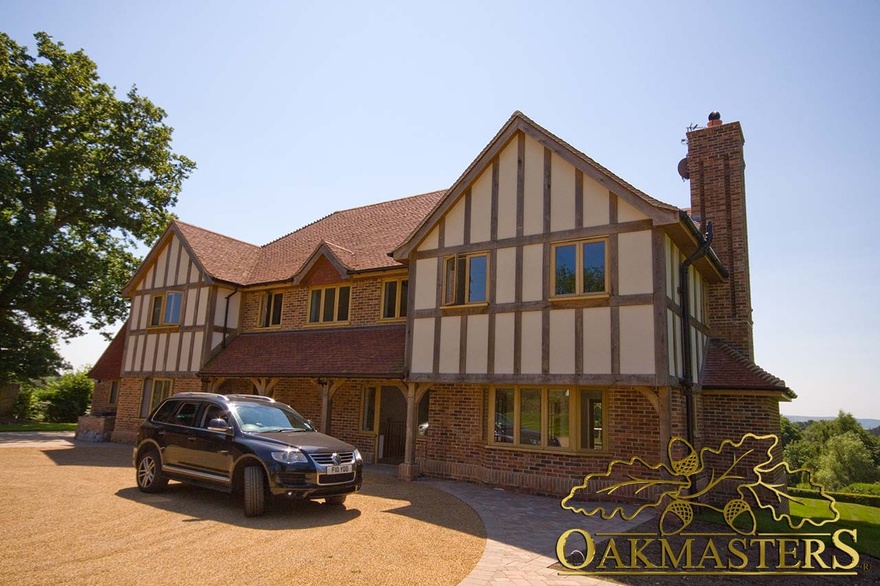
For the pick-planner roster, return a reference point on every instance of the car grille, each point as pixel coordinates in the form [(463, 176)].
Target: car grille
[(326, 459), (335, 478)]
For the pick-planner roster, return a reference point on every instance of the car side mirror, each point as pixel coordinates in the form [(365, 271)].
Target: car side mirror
[(219, 425)]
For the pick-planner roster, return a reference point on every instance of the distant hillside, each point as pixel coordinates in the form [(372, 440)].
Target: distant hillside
[(866, 423)]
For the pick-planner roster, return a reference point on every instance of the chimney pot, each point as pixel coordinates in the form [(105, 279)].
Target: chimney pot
[(714, 119)]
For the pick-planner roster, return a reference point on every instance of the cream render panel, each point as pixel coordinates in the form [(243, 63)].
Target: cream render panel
[(450, 344), (637, 339), (173, 356), (135, 312), (477, 359), (453, 233), (186, 342), (431, 241), (635, 263), (183, 269), (627, 213), (504, 343), (596, 204), (423, 345), (507, 165), (533, 208), (201, 313), (198, 344), (148, 277), (505, 275), (161, 350), (531, 354), (533, 272), (174, 261), (481, 207), (562, 341), (667, 256), (673, 342), (150, 353), (189, 316), (426, 283), (220, 312), (562, 194), (597, 340), (130, 351), (216, 339), (161, 266)]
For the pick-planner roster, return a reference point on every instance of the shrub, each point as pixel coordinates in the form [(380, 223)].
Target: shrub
[(26, 407), (67, 398), (869, 500), (863, 488)]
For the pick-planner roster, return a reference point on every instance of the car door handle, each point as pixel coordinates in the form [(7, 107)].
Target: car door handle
[(191, 439)]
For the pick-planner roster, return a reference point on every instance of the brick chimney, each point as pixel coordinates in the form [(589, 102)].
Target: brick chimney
[(718, 195)]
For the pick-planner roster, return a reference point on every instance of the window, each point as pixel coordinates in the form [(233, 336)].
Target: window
[(579, 268), (466, 278), (368, 409), (394, 294), (270, 309), (547, 417), (155, 390), (114, 392), (166, 309), (329, 305)]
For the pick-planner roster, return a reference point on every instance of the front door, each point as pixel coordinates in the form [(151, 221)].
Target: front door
[(392, 426)]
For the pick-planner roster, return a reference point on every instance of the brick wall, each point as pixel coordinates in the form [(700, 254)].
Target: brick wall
[(128, 409), (718, 194), (101, 398)]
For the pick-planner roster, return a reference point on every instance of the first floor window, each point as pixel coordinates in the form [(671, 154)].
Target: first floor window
[(155, 391), (394, 295), (547, 417), (270, 309), (166, 309), (579, 268), (329, 304), (466, 278)]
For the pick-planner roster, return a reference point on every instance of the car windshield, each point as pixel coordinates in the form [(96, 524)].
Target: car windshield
[(258, 418)]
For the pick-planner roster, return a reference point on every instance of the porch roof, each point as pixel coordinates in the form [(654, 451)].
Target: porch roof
[(367, 352), (726, 368)]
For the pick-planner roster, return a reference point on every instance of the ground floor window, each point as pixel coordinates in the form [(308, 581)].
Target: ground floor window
[(155, 390), (114, 392), (547, 417)]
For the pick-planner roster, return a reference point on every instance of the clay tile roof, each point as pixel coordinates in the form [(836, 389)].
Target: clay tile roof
[(109, 365), (362, 238), (368, 352), (725, 367), (222, 257)]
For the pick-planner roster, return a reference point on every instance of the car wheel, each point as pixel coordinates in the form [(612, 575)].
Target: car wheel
[(149, 472), (335, 500), (254, 491)]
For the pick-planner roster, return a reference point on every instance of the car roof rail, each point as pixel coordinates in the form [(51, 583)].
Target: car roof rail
[(195, 395), (263, 398)]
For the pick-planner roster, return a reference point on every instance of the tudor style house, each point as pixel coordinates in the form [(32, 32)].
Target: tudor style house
[(535, 321)]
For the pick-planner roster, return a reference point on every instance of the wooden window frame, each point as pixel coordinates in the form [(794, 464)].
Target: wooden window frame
[(152, 400), (400, 300), (377, 393), (160, 321), (268, 300), (460, 292), (576, 442), (322, 308), (579, 269), (113, 397)]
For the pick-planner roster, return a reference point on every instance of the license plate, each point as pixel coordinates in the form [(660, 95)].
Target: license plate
[(340, 469)]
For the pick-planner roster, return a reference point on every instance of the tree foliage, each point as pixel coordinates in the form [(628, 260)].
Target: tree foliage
[(67, 398), (84, 177)]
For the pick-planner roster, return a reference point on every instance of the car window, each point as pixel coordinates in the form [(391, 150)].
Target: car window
[(164, 412), (186, 415), (214, 412)]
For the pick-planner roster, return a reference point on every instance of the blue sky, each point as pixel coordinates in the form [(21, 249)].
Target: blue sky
[(293, 110)]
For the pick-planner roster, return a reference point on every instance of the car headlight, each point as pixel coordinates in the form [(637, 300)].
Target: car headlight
[(289, 457), (357, 456)]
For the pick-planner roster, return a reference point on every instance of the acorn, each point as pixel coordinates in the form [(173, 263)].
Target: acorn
[(676, 516), (739, 516), (688, 465)]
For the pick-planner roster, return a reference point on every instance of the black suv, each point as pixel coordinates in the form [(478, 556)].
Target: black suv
[(243, 443)]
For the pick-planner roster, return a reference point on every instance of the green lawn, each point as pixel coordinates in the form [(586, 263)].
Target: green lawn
[(865, 520), (38, 427)]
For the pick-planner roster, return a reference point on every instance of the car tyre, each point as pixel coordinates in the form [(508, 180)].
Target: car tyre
[(149, 472), (335, 500), (254, 491)]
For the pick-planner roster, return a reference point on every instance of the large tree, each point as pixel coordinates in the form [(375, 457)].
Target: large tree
[(84, 177)]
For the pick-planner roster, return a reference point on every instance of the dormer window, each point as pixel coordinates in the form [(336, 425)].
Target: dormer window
[(394, 295), (329, 304), (466, 278)]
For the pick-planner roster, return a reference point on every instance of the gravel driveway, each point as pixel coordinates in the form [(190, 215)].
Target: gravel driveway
[(74, 516)]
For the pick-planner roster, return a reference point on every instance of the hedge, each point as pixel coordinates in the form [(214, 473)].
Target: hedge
[(870, 500)]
